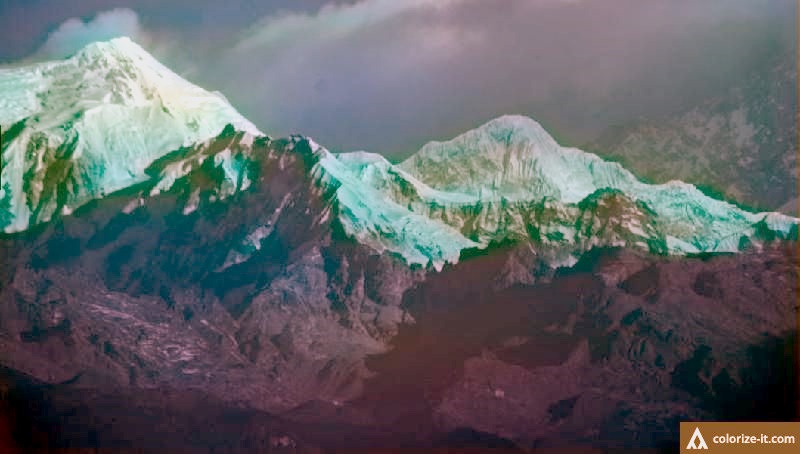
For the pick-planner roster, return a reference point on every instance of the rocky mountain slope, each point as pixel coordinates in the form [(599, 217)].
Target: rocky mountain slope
[(321, 338), (742, 145)]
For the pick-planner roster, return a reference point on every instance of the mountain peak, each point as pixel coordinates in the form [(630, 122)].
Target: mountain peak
[(121, 46), (511, 156), (123, 60), (101, 117), (518, 124), (504, 131)]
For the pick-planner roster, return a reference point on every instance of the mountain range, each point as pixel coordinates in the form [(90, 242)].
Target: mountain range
[(506, 180), (497, 283)]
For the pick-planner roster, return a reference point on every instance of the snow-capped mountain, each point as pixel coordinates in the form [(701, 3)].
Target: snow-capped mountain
[(78, 129), (510, 180), (133, 122)]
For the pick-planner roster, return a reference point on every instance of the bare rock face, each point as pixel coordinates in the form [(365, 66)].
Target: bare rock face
[(255, 298)]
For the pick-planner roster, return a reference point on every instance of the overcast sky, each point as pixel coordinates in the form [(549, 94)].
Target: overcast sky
[(389, 75)]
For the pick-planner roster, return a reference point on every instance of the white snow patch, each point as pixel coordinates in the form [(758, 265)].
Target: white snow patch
[(192, 203)]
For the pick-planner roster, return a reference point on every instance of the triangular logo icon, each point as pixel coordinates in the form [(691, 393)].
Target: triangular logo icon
[(697, 441)]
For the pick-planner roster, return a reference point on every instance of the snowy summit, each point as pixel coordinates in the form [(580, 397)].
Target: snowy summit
[(86, 126)]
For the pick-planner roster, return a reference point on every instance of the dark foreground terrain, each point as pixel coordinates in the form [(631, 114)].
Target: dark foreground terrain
[(255, 324), (610, 354)]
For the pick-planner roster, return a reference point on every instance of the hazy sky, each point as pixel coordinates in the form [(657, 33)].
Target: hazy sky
[(389, 75)]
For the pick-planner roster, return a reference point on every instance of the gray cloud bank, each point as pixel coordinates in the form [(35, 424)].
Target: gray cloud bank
[(389, 75)]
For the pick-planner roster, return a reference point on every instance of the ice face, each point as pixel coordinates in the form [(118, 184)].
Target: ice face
[(370, 214), (89, 125)]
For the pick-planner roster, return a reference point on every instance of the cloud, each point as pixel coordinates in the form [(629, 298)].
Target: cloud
[(74, 34), (388, 75), (333, 21), (306, 68)]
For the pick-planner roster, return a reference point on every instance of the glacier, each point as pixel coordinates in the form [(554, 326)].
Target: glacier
[(86, 126)]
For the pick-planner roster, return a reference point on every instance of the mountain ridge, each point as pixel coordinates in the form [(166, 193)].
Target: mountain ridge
[(507, 179), (464, 183)]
